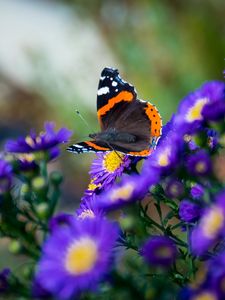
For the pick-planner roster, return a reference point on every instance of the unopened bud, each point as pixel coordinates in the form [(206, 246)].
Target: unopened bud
[(14, 247)]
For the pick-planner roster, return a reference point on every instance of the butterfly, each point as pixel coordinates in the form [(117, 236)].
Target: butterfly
[(128, 125)]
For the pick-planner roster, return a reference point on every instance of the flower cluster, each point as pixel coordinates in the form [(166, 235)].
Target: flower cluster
[(150, 228)]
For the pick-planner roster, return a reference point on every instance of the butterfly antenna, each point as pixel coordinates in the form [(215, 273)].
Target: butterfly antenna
[(83, 119)]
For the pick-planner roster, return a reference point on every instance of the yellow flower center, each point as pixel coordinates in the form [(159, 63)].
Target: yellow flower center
[(163, 159), (28, 157), (195, 112), (200, 167), (112, 161), (164, 252), (122, 193), (38, 140), (92, 186), (81, 256), (87, 213), (205, 296), (212, 222), (29, 141)]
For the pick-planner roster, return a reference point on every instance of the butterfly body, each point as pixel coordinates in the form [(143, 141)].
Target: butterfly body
[(128, 125)]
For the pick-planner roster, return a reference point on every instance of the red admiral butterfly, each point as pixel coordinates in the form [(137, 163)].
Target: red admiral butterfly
[(128, 125)]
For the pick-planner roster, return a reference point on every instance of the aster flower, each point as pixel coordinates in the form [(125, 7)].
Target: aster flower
[(213, 138), (189, 211), (38, 292), (174, 188), (89, 209), (216, 275), (47, 141), (4, 274), (108, 166), (166, 156), (199, 163), (5, 176), (211, 226), (197, 191), (190, 116), (76, 257), (205, 294), (159, 251), (60, 220), (92, 190), (131, 188)]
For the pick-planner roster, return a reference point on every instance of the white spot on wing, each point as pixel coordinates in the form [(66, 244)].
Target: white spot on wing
[(104, 90), (114, 83), (102, 77)]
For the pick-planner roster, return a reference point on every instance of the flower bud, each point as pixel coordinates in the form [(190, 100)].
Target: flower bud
[(38, 183), (24, 189), (127, 222), (42, 210), (14, 247), (56, 177)]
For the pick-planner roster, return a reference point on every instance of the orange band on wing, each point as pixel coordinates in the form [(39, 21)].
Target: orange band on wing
[(156, 121), (122, 96), (96, 146), (141, 153)]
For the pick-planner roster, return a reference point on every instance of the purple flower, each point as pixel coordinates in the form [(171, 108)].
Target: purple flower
[(89, 209), (167, 129), (204, 294), (199, 163), (191, 112), (131, 188), (4, 274), (5, 176), (211, 226), (47, 141), (159, 251), (76, 257), (216, 275), (174, 188), (189, 211), (108, 166), (197, 191), (213, 138), (166, 156), (38, 292), (92, 190), (60, 220), (215, 109)]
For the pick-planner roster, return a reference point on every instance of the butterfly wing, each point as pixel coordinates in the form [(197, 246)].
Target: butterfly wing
[(88, 146), (112, 90), (118, 108)]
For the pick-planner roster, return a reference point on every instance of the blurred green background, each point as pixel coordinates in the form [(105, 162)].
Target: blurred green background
[(52, 54)]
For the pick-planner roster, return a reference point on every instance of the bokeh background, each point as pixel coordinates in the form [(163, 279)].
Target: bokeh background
[(52, 54)]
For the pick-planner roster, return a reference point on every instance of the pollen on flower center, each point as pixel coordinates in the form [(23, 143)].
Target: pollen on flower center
[(123, 193), (92, 186), (164, 252), (163, 159), (112, 161), (81, 256), (29, 141), (195, 112), (205, 296), (212, 222), (87, 213), (201, 167)]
